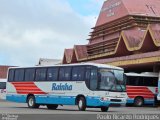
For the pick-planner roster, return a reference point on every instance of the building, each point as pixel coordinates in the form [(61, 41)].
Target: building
[(127, 34), (3, 71), (45, 62)]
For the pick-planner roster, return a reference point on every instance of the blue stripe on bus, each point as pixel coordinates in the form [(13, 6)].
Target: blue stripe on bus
[(95, 101), (149, 101), (16, 98), (64, 100), (146, 101), (130, 101)]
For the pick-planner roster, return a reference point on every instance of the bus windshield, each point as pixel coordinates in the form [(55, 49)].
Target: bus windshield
[(112, 80)]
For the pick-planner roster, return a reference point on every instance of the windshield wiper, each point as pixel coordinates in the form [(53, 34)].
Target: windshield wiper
[(118, 84)]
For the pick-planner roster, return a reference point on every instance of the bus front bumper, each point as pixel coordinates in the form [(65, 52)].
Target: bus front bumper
[(106, 102)]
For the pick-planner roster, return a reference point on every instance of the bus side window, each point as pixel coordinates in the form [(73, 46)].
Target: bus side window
[(87, 76), (11, 75), (140, 81), (151, 81), (29, 74), (65, 74), (78, 73), (19, 75), (40, 74), (132, 80), (155, 81), (94, 79), (52, 74)]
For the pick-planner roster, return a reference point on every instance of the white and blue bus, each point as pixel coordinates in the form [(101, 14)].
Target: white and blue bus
[(84, 85)]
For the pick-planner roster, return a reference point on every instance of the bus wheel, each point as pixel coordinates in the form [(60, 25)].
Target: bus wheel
[(138, 102), (32, 102), (81, 104), (52, 107), (104, 109)]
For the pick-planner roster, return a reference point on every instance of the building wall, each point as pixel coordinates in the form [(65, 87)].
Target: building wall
[(3, 71)]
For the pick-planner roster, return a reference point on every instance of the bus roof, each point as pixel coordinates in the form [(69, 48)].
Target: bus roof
[(3, 80), (144, 74), (78, 64)]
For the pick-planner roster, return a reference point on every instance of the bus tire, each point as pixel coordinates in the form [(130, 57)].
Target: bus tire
[(52, 107), (32, 102), (81, 104), (138, 102), (104, 109)]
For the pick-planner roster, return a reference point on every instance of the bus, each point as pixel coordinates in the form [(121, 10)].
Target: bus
[(142, 88), (3, 88), (83, 84)]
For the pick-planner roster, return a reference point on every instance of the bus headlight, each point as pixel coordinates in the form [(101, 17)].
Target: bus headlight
[(104, 99)]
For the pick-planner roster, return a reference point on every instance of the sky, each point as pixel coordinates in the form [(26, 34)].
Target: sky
[(34, 29)]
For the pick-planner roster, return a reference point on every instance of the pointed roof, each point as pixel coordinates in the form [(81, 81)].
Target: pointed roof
[(81, 51), (68, 53), (114, 9), (124, 28), (155, 33), (75, 54), (155, 54), (133, 38), (128, 42)]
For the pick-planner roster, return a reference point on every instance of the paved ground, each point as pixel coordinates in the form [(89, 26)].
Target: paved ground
[(71, 111)]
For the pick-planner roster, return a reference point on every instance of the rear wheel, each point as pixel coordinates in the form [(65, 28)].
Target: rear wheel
[(52, 107), (138, 102), (104, 109), (81, 104), (32, 102)]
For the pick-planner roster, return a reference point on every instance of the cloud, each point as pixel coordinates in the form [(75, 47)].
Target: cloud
[(33, 29), (94, 5)]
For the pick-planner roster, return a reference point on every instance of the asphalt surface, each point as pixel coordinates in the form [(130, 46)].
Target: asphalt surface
[(68, 112)]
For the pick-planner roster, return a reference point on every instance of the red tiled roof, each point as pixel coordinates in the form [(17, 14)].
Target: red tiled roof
[(73, 55), (155, 32), (81, 51), (3, 71), (111, 10), (68, 53), (143, 7), (133, 37), (130, 57), (113, 38), (114, 9), (129, 40), (133, 40)]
